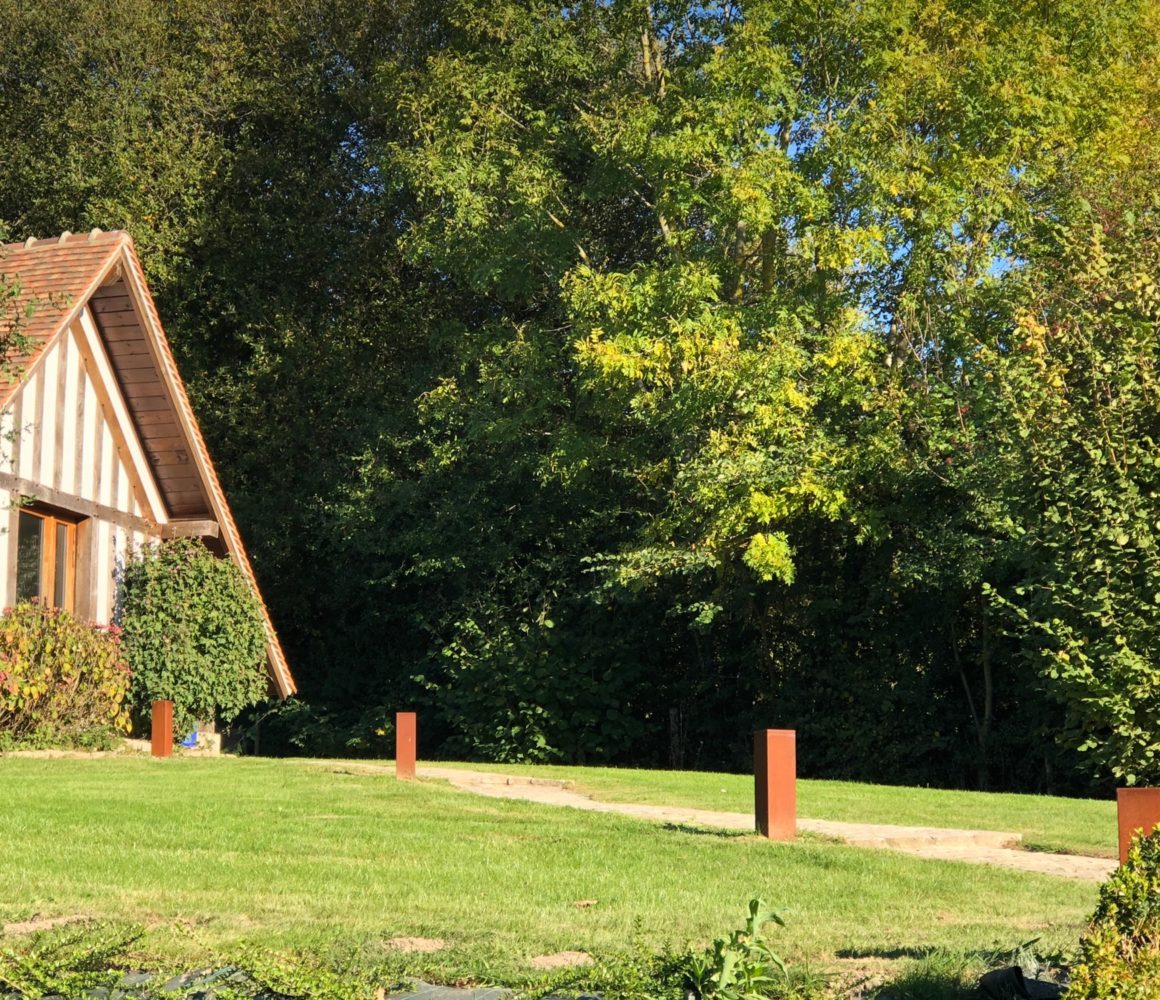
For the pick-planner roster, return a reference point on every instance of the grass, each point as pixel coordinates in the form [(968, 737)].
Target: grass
[(214, 854), (1047, 823)]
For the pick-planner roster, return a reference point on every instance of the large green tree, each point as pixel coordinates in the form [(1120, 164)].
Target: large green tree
[(610, 378)]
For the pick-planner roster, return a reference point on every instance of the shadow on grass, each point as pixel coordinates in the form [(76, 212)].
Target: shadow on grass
[(926, 974), (705, 831), (937, 974), (891, 953)]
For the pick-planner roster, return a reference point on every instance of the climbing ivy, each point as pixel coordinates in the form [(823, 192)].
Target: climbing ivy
[(192, 633)]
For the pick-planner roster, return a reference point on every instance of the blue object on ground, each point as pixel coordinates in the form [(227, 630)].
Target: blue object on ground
[(190, 741)]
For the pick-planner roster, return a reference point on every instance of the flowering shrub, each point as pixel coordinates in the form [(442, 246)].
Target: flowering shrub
[(193, 633), (58, 676)]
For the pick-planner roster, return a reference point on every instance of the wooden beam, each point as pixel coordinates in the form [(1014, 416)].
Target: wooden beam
[(189, 528), (109, 393), (11, 568), (86, 572), (77, 505)]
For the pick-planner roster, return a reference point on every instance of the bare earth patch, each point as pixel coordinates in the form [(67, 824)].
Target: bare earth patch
[(417, 944), (561, 960), (42, 924)]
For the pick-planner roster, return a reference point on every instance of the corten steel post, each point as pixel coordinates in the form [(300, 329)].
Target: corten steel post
[(1136, 809), (775, 783), (162, 729), (405, 740)]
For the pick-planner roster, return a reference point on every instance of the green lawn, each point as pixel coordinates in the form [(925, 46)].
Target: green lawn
[(211, 853), (1078, 826)]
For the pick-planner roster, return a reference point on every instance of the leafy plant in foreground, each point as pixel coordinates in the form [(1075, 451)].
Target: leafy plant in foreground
[(743, 966), (90, 958), (264, 974), (1119, 956), (65, 962)]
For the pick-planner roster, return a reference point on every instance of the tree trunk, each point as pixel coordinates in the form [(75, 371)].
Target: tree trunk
[(988, 704)]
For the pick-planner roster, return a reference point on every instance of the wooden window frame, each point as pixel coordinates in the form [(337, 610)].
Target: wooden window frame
[(52, 519)]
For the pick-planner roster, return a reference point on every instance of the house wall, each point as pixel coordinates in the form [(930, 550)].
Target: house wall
[(65, 430)]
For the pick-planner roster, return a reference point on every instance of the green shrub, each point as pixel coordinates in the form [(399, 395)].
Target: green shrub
[(59, 678), (1119, 955), (90, 959), (74, 961), (193, 633)]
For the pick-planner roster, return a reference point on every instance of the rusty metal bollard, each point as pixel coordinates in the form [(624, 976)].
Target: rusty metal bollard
[(162, 715), (405, 744), (775, 783), (1137, 809)]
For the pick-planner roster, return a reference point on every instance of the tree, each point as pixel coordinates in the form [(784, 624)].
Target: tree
[(1086, 408), (656, 360)]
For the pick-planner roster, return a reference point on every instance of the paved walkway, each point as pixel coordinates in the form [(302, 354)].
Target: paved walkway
[(977, 846)]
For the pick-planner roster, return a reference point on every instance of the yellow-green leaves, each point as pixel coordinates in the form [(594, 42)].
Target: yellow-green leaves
[(650, 330), (770, 556), (739, 394)]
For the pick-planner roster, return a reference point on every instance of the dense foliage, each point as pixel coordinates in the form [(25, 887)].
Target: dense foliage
[(15, 311), (295, 728), (1119, 955), (60, 679), (606, 379), (193, 633)]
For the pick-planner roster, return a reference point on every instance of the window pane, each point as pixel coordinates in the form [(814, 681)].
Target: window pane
[(60, 577), (29, 546)]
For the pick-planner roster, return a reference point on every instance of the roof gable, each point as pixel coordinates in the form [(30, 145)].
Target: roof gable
[(54, 278), (43, 443), (95, 284)]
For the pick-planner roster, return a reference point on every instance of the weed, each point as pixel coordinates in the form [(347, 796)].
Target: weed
[(744, 967)]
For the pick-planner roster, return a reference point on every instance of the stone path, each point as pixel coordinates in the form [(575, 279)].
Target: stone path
[(976, 846)]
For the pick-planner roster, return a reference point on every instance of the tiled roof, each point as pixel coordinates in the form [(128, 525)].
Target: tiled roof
[(55, 277)]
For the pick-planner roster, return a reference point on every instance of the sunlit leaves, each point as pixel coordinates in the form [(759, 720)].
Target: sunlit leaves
[(1085, 403)]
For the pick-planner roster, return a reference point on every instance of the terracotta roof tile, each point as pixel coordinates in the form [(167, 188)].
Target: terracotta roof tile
[(55, 277)]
